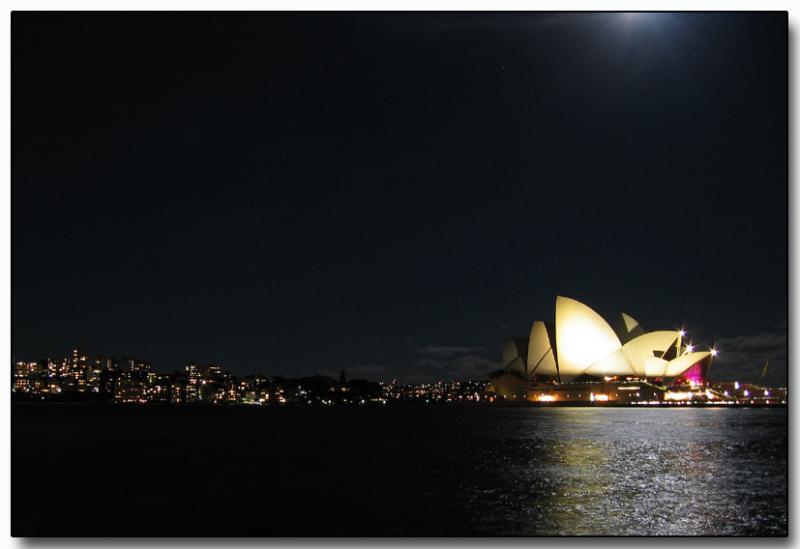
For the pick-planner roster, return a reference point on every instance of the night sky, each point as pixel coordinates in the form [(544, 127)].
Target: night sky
[(394, 194)]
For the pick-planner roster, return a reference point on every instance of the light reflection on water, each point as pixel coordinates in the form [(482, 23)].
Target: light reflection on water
[(410, 471), (619, 471)]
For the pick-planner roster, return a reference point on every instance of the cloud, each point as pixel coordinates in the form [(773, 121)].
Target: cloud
[(765, 342), (742, 358), (448, 362), (447, 350), (433, 363)]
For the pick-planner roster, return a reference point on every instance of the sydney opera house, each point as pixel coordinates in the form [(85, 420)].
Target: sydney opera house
[(581, 357)]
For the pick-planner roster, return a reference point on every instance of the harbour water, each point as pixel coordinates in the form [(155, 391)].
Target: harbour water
[(411, 471)]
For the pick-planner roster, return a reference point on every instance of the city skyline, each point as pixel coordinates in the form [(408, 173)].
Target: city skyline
[(585, 342), (80, 377), (750, 373)]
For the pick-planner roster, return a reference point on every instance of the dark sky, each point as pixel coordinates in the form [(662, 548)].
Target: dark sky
[(394, 194)]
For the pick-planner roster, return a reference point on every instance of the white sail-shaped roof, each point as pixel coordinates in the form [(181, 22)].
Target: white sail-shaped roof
[(655, 367), (627, 328), (630, 322), (640, 349), (679, 365), (512, 361), (541, 359), (636, 357), (615, 364), (582, 337)]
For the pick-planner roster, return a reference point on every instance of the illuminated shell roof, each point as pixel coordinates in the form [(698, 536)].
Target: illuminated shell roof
[(639, 350), (655, 367), (679, 365), (628, 328), (615, 364), (514, 355), (541, 359), (582, 337), (586, 344), (640, 357)]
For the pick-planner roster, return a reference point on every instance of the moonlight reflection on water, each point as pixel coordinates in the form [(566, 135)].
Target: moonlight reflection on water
[(611, 471), (415, 471)]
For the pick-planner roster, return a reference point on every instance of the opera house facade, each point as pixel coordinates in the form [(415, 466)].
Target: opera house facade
[(581, 357)]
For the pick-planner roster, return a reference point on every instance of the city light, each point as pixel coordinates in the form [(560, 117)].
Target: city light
[(678, 395), (131, 381)]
